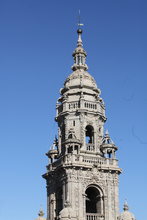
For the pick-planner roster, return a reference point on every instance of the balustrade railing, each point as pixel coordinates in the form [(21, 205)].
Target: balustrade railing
[(95, 160), (82, 159), (74, 105), (90, 105), (94, 216), (90, 147), (78, 104)]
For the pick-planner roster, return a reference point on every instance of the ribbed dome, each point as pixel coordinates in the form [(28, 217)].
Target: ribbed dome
[(80, 78)]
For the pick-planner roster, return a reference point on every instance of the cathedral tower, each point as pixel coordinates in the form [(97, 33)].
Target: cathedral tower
[(82, 175)]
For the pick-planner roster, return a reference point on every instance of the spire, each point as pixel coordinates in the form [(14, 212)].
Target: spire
[(79, 31), (79, 53)]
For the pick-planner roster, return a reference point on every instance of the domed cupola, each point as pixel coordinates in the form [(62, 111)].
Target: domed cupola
[(126, 215), (80, 78), (53, 152), (108, 147)]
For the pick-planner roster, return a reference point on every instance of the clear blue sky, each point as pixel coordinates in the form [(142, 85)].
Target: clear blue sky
[(37, 38)]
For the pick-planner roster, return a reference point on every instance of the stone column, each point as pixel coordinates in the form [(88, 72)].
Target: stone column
[(84, 206), (116, 198), (64, 199)]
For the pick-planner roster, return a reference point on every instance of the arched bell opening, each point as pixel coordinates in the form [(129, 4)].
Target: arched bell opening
[(89, 138), (94, 201), (89, 134)]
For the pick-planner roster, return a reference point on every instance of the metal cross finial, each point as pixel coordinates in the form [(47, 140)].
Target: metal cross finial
[(79, 20)]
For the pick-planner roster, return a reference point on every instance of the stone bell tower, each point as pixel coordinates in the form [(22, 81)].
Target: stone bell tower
[(82, 174)]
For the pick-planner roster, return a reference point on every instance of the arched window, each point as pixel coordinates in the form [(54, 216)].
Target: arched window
[(93, 200), (89, 134)]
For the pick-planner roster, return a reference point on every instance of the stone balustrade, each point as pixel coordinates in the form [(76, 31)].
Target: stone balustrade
[(94, 216), (90, 147), (74, 159), (87, 105)]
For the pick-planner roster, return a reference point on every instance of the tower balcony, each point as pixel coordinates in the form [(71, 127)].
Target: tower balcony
[(92, 106), (86, 161)]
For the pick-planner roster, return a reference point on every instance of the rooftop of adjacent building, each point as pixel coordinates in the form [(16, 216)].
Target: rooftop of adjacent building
[(40, 215), (126, 214)]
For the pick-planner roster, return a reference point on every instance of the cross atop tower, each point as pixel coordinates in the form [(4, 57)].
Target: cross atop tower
[(79, 20)]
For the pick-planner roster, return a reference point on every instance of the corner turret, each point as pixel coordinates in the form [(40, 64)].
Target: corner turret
[(108, 147)]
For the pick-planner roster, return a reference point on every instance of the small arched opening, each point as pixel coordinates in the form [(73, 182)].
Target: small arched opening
[(89, 138), (89, 134), (93, 200)]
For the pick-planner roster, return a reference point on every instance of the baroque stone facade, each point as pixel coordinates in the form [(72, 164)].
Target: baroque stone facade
[(82, 174)]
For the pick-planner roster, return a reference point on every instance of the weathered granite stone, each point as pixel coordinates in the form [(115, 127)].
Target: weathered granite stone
[(82, 175)]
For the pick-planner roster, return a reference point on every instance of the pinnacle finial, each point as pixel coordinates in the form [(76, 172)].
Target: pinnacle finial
[(126, 207), (79, 31), (79, 42), (79, 53), (107, 132), (41, 213)]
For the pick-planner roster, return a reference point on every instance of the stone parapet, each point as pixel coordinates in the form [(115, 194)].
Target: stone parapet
[(87, 161)]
